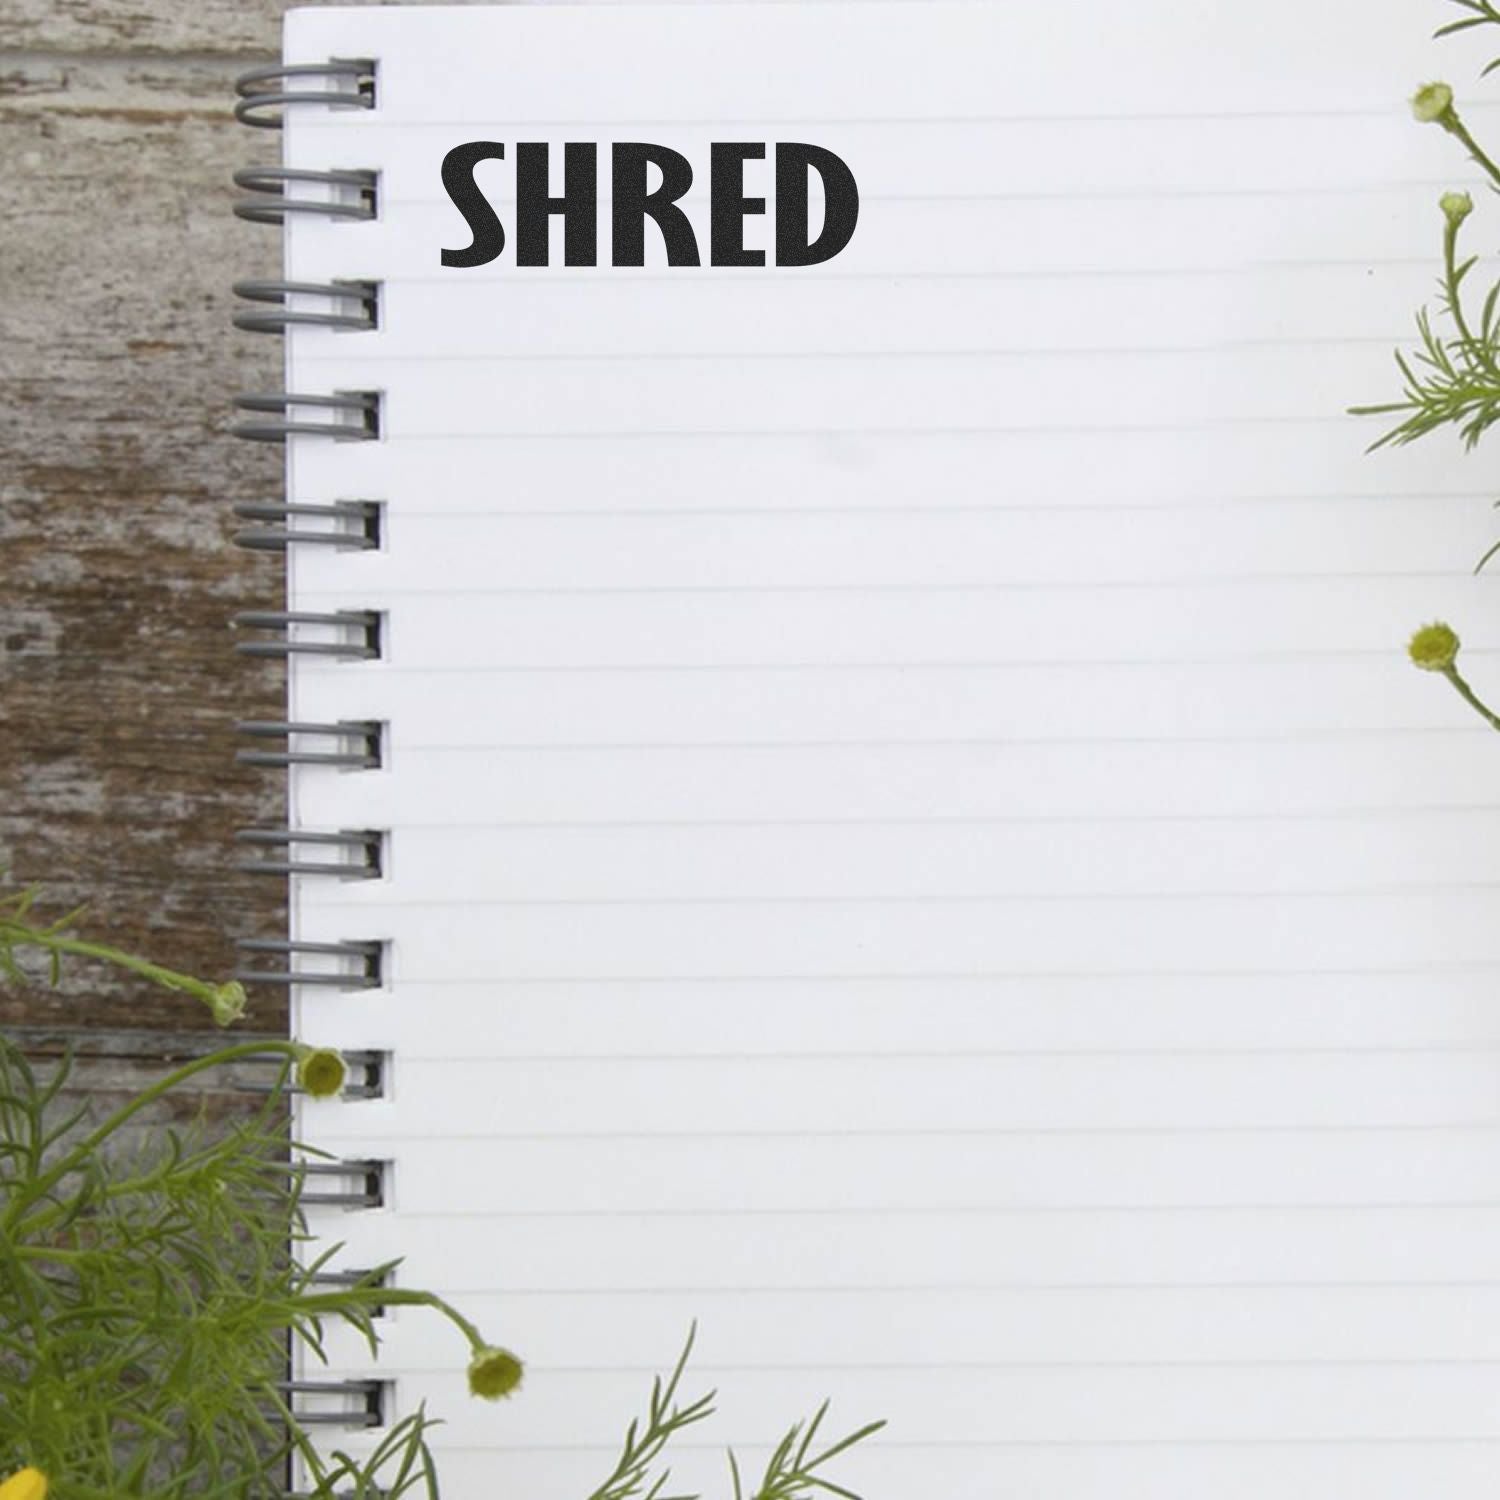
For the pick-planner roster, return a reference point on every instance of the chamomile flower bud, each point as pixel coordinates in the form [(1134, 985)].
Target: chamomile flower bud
[(227, 1002), (493, 1373), (320, 1073), (26, 1484), (1456, 207), (1434, 648), (1432, 104)]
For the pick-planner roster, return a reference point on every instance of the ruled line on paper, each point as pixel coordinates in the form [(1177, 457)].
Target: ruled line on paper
[(375, 360), (944, 508), (945, 1132), (959, 1366), (713, 275), (929, 1211), (1070, 429), (1166, 583), (392, 669), (1092, 898), (1381, 112), (960, 977), (1253, 1049), (687, 1445), (956, 1288)]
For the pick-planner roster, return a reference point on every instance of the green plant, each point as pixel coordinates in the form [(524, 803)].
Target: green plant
[(147, 1295), (146, 1299), (1452, 379), (789, 1473)]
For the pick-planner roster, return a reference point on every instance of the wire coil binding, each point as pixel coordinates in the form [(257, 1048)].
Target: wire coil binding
[(361, 963), (363, 295), (360, 738), (355, 633), (350, 193), (350, 524), (363, 847), (362, 407), (357, 1183), (368, 1398), (275, 195), (263, 90)]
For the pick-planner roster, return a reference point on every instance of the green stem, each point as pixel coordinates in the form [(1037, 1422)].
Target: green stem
[(1450, 281), (379, 1296), (95, 1138), (62, 1257), (1476, 349), (1470, 697), (1460, 132), (19, 935)]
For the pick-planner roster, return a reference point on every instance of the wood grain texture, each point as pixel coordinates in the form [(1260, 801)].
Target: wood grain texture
[(117, 362), (238, 29), (208, 28), (108, 1068), (115, 28)]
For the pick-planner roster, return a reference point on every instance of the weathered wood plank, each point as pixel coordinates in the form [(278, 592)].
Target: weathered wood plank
[(110, 1068), (219, 28), (117, 362), (238, 29)]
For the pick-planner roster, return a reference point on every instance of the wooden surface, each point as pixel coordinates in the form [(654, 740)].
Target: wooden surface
[(117, 361)]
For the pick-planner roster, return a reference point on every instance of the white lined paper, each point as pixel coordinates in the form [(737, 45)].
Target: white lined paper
[(911, 836)]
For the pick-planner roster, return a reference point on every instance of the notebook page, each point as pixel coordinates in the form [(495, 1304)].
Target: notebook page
[(912, 839)]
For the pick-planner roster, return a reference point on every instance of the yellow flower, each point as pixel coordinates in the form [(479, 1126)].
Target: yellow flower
[(1434, 648), (493, 1373), (28, 1484), (321, 1073)]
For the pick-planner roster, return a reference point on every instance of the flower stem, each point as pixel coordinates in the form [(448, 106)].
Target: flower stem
[(333, 1302), (15, 934), (1470, 697), (1460, 132)]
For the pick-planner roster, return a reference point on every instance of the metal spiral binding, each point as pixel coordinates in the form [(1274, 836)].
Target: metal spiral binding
[(362, 406), (263, 89), (361, 963), (365, 295), (360, 741), (353, 525), (274, 195), (363, 846), (355, 633), (369, 1396), (363, 1183), (351, 193)]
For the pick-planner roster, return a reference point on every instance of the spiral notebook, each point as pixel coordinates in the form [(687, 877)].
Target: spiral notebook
[(853, 773)]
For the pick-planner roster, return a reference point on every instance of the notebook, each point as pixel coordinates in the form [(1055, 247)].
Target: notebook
[(854, 776)]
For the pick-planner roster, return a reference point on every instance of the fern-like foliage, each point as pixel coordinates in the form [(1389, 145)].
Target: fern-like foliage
[(1478, 13), (1453, 378)]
